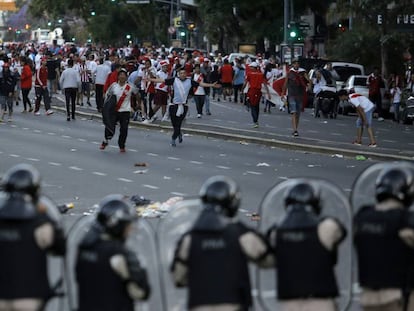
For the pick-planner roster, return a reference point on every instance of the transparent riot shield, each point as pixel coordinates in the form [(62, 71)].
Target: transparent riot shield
[(272, 211), (178, 221), (363, 189), (141, 241)]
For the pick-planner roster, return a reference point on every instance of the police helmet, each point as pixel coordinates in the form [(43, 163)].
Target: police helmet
[(303, 194), (223, 192), (23, 178), (395, 183), (115, 214)]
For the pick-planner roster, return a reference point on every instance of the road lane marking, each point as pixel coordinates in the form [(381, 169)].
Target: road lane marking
[(37, 131), (173, 158), (124, 179), (389, 141), (337, 134), (54, 163), (133, 150), (223, 167), (253, 173), (150, 186), (51, 133), (66, 136), (152, 154), (32, 159), (82, 139), (196, 162), (99, 173), (14, 155), (75, 168), (178, 194)]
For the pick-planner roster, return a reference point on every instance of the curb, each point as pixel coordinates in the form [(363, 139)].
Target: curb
[(349, 153)]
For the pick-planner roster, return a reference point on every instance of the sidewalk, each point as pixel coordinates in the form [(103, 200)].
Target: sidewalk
[(328, 136)]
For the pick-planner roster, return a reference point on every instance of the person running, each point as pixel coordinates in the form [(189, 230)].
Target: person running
[(70, 81), (178, 108)]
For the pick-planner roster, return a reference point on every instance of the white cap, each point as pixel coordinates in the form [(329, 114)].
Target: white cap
[(253, 64)]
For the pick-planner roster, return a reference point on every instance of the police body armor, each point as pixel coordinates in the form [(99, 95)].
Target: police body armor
[(215, 247), (376, 231), (171, 228), (296, 230), (27, 267), (86, 252)]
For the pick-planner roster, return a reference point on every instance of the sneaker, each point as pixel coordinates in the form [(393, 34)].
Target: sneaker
[(373, 145), (37, 113), (49, 112), (9, 119), (154, 118), (355, 142), (295, 134), (146, 121), (180, 138), (103, 145), (68, 119), (208, 113), (24, 111), (30, 109), (256, 125), (173, 144), (122, 150), (164, 119), (199, 116)]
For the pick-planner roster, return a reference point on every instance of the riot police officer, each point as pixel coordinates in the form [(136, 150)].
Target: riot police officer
[(109, 275), (305, 249), (212, 258), (383, 240), (27, 234)]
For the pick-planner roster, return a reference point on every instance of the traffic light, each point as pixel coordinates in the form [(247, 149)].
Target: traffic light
[(341, 27), (191, 26), (295, 33)]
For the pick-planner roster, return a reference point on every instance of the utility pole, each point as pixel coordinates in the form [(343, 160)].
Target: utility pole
[(285, 20)]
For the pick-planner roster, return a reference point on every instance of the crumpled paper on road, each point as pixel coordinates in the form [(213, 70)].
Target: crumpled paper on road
[(157, 209)]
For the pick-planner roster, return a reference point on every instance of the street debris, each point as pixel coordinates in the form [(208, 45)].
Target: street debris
[(140, 171), (262, 164), (314, 165), (148, 209), (337, 155), (360, 157), (142, 164), (242, 142)]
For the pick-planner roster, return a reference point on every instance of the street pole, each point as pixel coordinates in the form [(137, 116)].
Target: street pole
[(285, 21)]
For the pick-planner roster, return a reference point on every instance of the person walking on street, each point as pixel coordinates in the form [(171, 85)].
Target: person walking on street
[(108, 274), (41, 89), (396, 93), (255, 79), (7, 84), (26, 83), (198, 92), (227, 79), (178, 108), (102, 72), (70, 82), (211, 260), (375, 83), (295, 84), (123, 91), (365, 109), (28, 234)]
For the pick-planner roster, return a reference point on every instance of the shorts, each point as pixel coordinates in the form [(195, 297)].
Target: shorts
[(160, 98), (85, 87), (368, 117), (295, 104)]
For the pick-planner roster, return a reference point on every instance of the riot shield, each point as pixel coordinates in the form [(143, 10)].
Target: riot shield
[(272, 212), (179, 220), (141, 242), (109, 113), (363, 189)]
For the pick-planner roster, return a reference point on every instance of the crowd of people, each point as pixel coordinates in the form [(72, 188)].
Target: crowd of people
[(82, 73), (211, 256)]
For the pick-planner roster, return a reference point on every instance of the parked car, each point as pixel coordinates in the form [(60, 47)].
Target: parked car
[(358, 83), (233, 56)]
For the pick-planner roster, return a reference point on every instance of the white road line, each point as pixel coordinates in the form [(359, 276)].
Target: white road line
[(14, 155), (133, 150), (173, 158), (311, 131), (99, 173), (37, 131), (75, 168), (96, 143), (55, 163), (337, 134), (178, 194), (124, 179), (82, 139), (66, 136), (25, 128), (253, 173), (283, 177), (196, 162), (152, 154), (389, 141), (33, 159), (223, 167), (51, 133), (150, 186)]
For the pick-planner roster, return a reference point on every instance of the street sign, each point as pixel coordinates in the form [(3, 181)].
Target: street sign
[(171, 30), (177, 21)]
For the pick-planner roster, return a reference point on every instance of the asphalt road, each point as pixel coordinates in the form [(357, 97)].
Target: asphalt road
[(75, 170)]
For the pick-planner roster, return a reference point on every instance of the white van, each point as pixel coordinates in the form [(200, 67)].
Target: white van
[(345, 70)]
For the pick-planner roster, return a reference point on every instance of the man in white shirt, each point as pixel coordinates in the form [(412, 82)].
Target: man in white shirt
[(102, 72), (364, 107)]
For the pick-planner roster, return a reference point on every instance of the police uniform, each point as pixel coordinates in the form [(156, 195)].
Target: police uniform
[(26, 235), (211, 260), (306, 254)]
